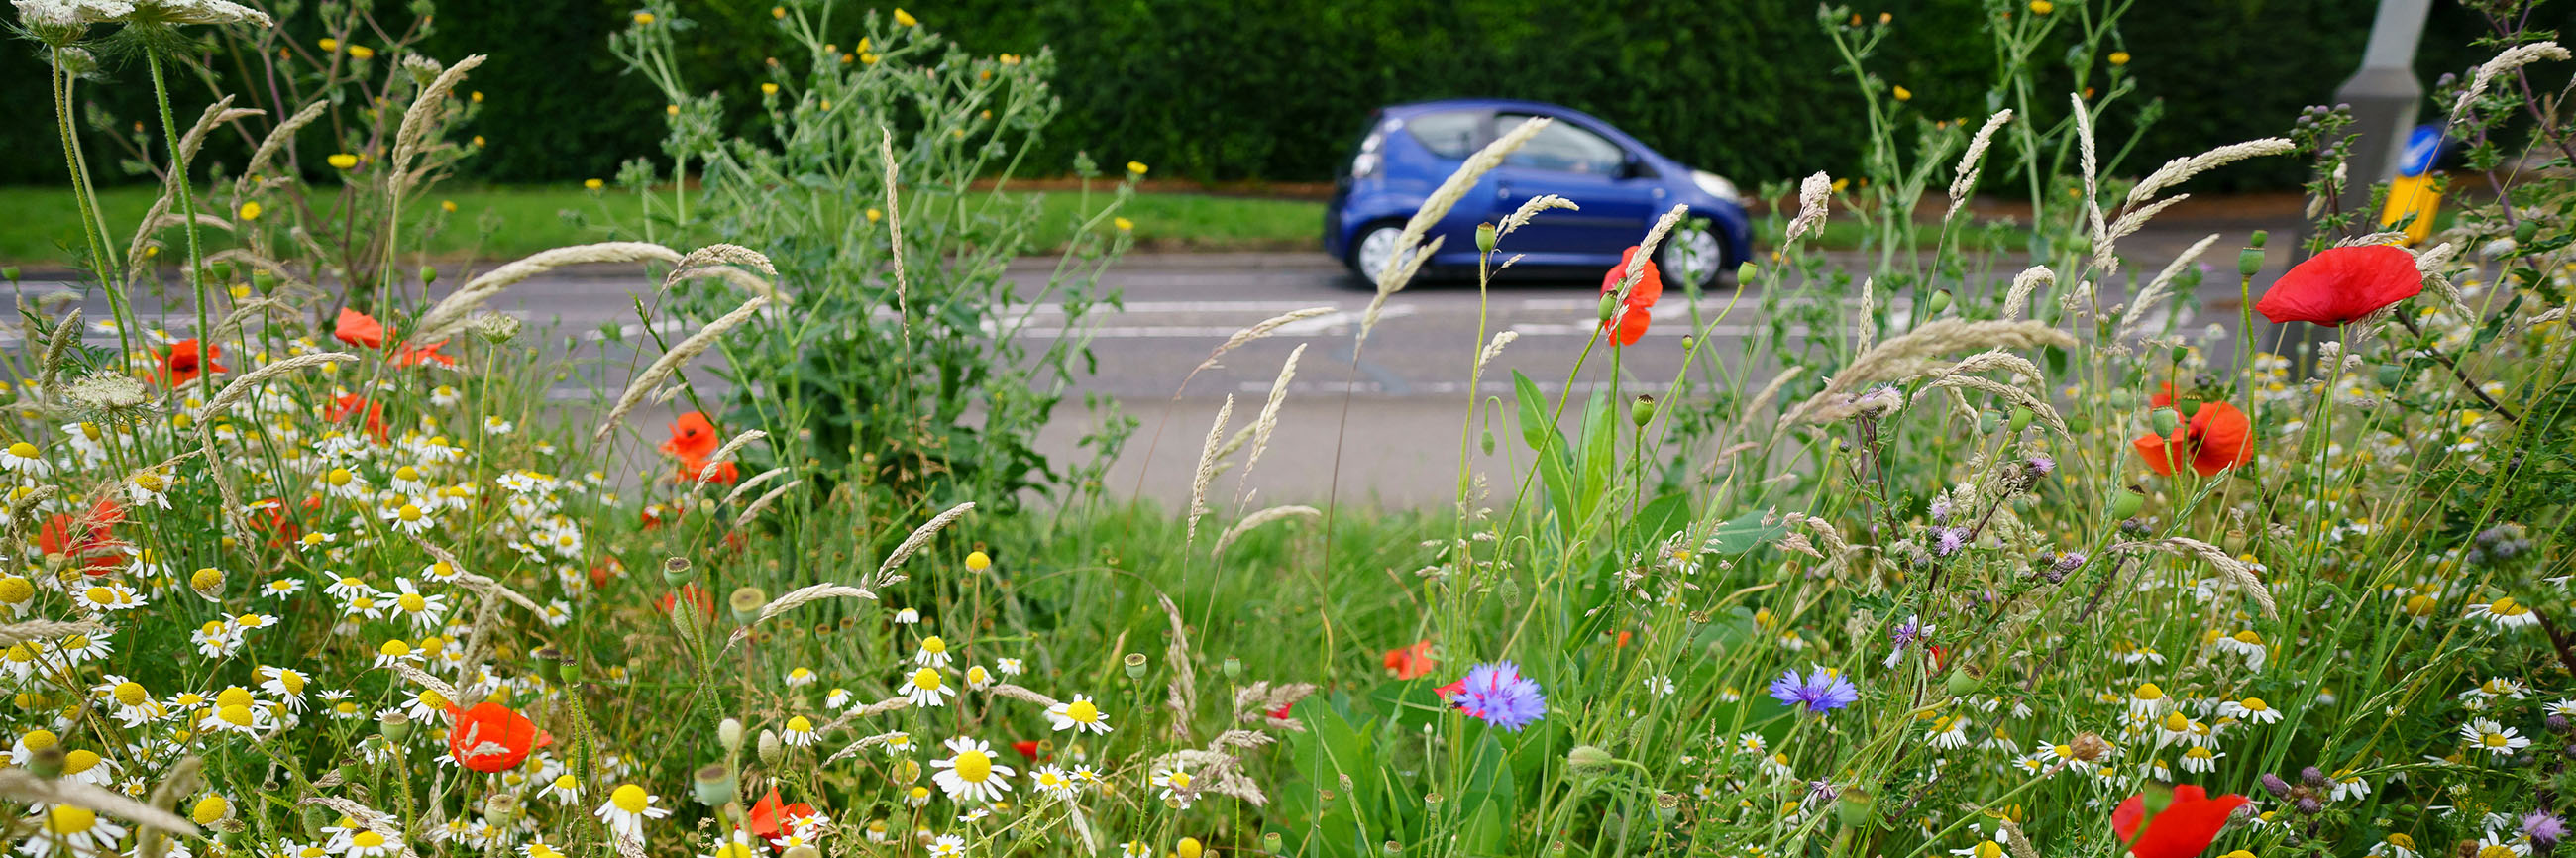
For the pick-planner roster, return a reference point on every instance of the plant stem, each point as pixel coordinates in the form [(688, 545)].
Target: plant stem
[(85, 198), (2456, 372), (187, 208)]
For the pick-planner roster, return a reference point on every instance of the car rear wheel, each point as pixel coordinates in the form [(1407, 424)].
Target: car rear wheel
[(1691, 255), (1376, 248)]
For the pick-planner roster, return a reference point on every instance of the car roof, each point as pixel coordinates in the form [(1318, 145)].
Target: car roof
[(1497, 104)]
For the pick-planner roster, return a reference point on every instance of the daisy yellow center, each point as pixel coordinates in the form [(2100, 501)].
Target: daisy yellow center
[(2175, 721), (2256, 704), (291, 681), (734, 850), (566, 782), (234, 696), (209, 809), (76, 642), (926, 679), (38, 740), (2197, 753), (412, 602), (933, 645), (2498, 851), (131, 694), (1990, 849), (15, 590), (2149, 691), (341, 476), (974, 766), (407, 472), (367, 840), (238, 716), (799, 724), (629, 798), (100, 596), (2249, 637), (2066, 751), (2505, 606), (2402, 841), (395, 648), (79, 761), (1180, 780), (23, 450), (2492, 740), (66, 819), (409, 512)]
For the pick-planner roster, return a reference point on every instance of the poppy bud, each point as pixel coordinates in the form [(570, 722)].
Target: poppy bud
[(1988, 421), (1484, 238), (1588, 757), (1939, 302), (676, 571), (10, 273), (2249, 261), (2163, 421), (1855, 807), (770, 748), (715, 784), (2257, 239), (2523, 233), (746, 603), (1135, 665), (1609, 306), (1487, 441), (1744, 272), (2078, 425), (2125, 503), (729, 734), (2159, 795), (1689, 343), (1642, 411), (396, 726), (428, 274)]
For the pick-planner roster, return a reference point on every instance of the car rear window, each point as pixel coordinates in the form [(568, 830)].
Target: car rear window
[(1448, 134)]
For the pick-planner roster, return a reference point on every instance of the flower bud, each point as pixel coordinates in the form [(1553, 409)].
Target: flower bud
[(2257, 239), (2309, 805), (428, 274), (1487, 442), (1744, 272), (316, 818), (2249, 262), (1585, 757), (1135, 665), (1642, 411), (2126, 502), (2021, 417), (1609, 306), (2523, 233), (770, 748), (1959, 683), (1272, 843), (1233, 668), (9, 273), (746, 603), (729, 735), (1933, 306), (1484, 238), (1855, 807), (1689, 343), (396, 726), (2312, 776), (2273, 784), (715, 784)]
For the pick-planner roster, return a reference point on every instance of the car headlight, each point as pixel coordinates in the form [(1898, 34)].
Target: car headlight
[(1716, 186)]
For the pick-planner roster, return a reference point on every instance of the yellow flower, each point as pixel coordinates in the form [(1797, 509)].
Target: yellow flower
[(769, 89), (328, 45), (250, 210), (867, 59), (478, 141), (1188, 848), (448, 206), (475, 96), (778, 11), (343, 160), (2042, 7), (1123, 224), (875, 215), (978, 561), (361, 52), (1840, 184), (1903, 94), (593, 184), (670, 110), (643, 17), (1010, 59), (827, 104), (846, 58), (904, 18), (2119, 58), (1136, 168)]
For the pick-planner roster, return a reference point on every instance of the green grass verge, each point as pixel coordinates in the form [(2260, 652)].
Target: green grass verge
[(40, 226)]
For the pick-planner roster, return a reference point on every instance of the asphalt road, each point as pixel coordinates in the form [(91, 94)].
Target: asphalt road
[(1404, 393)]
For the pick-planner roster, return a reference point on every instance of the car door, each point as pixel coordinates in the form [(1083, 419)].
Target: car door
[(1574, 162)]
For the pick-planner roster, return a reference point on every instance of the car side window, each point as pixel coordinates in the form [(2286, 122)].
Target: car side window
[(1449, 134), (1563, 147)]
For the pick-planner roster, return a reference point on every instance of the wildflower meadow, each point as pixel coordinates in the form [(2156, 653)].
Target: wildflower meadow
[(1969, 548)]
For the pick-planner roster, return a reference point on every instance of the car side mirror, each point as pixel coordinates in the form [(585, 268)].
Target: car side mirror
[(1636, 168)]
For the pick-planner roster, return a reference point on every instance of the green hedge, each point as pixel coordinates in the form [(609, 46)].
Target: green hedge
[(1216, 89)]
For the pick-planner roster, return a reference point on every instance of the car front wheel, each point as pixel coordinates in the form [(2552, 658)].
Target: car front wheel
[(1376, 248), (1691, 255)]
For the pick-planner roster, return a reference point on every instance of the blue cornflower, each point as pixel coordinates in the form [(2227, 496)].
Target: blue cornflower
[(1823, 690), (1500, 695)]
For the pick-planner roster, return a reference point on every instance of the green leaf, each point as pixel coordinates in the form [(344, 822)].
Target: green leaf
[(1536, 429), (1600, 452), (1741, 533)]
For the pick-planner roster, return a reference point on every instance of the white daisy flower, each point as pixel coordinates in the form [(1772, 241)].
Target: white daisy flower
[(970, 774), (627, 808), (927, 687), (1078, 715)]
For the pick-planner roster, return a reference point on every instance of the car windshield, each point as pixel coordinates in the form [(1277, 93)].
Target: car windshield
[(1448, 134), (1563, 147)]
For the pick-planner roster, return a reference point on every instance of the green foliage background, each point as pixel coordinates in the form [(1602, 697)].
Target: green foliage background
[(1276, 90)]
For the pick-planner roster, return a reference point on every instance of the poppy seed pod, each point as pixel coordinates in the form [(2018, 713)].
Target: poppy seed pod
[(428, 275), (676, 571), (1609, 306), (1959, 683), (746, 603), (396, 726), (2163, 421), (1135, 662), (1938, 303), (1272, 843), (1744, 272), (501, 808), (2126, 502), (714, 785), (1233, 667), (1855, 807), (2249, 261), (1642, 411), (1484, 238)]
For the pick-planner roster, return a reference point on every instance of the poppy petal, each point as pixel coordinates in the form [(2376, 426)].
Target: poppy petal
[(2342, 284)]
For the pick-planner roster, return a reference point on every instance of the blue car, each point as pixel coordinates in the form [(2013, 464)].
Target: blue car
[(1621, 185)]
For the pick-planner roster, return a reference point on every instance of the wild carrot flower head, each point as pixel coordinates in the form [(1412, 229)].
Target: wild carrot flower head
[(1498, 694)]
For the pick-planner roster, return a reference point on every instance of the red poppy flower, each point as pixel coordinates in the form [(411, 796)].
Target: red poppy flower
[(350, 405), (491, 737), (1451, 692), (2343, 284), (696, 595), (772, 821), (1027, 748), (269, 515), (181, 364), (2218, 438), (1281, 713), (1622, 641), (410, 355), (1628, 322), (721, 473), (692, 437), (1411, 661), (358, 329), (88, 539), (2183, 830)]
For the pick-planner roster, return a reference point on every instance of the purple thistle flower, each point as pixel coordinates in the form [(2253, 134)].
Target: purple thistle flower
[(1501, 696), (2070, 561), (2543, 828), (2041, 465), (1823, 690), (1940, 510), (1950, 541)]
